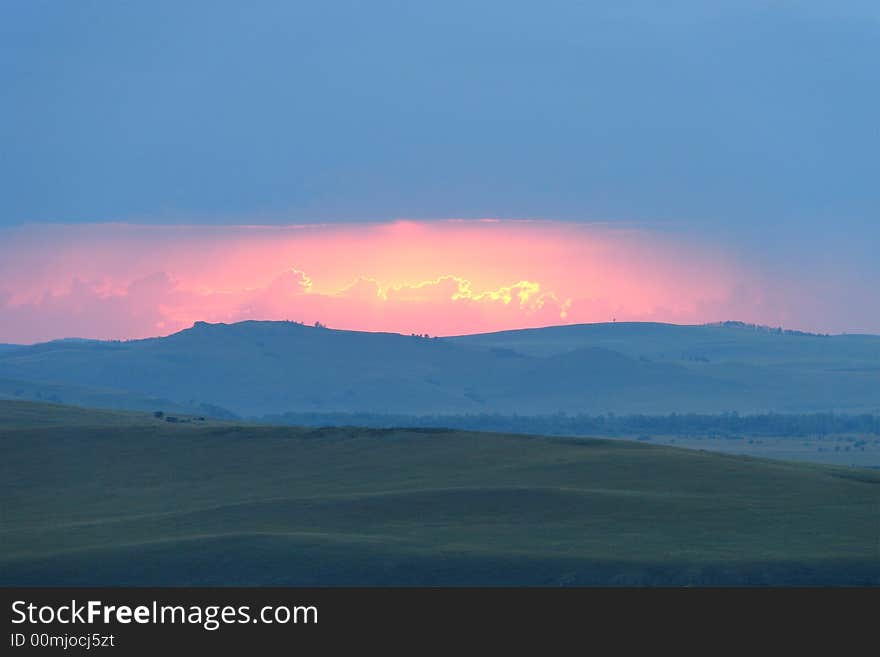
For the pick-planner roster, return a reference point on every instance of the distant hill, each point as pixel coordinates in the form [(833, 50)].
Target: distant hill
[(225, 503), (729, 342), (251, 369)]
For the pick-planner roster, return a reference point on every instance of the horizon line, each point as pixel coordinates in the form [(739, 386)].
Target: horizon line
[(735, 324)]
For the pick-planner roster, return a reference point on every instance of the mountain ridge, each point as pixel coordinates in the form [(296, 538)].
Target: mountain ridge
[(255, 368)]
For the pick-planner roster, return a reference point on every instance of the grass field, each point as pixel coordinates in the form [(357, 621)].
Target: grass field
[(96, 497)]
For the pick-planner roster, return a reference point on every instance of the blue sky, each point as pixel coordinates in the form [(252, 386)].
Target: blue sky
[(753, 123)]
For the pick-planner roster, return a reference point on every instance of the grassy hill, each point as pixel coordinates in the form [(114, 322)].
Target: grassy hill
[(724, 342), (252, 369), (125, 498)]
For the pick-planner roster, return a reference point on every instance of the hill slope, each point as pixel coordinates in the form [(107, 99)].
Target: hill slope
[(109, 498), (258, 368)]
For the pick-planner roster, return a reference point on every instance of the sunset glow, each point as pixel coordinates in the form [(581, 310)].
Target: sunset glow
[(443, 277)]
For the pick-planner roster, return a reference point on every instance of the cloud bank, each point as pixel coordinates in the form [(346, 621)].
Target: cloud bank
[(122, 281)]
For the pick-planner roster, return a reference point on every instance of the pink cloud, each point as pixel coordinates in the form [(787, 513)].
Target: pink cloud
[(444, 277)]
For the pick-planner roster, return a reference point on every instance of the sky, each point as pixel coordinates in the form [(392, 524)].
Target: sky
[(437, 167)]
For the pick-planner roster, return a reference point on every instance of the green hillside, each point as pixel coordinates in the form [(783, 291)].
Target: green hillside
[(125, 498)]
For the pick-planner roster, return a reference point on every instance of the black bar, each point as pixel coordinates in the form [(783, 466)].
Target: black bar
[(449, 618)]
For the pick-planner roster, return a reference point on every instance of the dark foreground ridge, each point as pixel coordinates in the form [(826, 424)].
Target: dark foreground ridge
[(103, 498)]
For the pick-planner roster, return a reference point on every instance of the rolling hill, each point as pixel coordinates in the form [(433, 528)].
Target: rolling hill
[(724, 342), (251, 369), (117, 498)]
